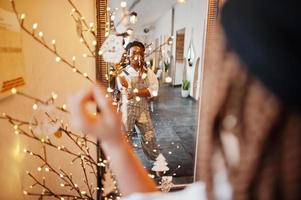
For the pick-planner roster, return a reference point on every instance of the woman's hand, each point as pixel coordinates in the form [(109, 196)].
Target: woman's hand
[(105, 125)]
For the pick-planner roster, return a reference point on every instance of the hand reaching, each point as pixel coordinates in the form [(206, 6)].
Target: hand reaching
[(105, 125)]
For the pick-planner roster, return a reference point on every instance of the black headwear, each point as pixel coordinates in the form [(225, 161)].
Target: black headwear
[(267, 37)]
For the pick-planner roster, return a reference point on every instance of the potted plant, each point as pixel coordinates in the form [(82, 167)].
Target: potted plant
[(185, 88)]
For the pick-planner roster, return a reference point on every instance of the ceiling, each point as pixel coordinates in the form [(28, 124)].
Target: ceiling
[(148, 11)]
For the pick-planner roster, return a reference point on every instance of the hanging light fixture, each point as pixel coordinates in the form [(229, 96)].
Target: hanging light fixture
[(133, 17)]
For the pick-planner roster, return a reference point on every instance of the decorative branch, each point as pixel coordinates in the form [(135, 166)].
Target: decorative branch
[(53, 50)]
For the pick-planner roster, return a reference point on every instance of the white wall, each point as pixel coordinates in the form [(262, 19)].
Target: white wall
[(190, 15), (43, 75)]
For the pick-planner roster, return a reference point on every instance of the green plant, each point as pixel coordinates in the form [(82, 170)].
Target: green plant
[(185, 85), (166, 66)]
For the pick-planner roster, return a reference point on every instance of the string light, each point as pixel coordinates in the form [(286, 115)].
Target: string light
[(40, 34), (138, 99), (34, 26), (54, 95), (123, 4), (35, 106), (13, 90), (168, 79), (57, 59), (94, 42)]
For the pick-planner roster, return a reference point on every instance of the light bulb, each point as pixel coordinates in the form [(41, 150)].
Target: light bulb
[(13, 90), (41, 34), (23, 16), (57, 59), (123, 4), (34, 26), (168, 79)]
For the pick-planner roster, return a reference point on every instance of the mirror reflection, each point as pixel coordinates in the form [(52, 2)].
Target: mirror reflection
[(158, 82)]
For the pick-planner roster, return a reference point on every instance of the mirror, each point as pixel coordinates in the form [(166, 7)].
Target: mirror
[(161, 125)]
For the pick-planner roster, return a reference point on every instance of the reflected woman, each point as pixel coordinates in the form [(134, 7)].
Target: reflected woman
[(137, 85)]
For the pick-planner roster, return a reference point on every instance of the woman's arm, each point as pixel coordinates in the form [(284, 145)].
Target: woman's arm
[(106, 126)]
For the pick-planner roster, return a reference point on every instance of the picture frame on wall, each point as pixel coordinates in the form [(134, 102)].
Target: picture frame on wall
[(11, 54)]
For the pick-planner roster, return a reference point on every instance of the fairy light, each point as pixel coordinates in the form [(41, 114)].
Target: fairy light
[(81, 40), (13, 90), (138, 99), (39, 169), (57, 59), (25, 192), (168, 79), (62, 185), (22, 16), (110, 90), (108, 8), (85, 75), (169, 152), (100, 52), (123, 4), (54, 95), (74, 69), (53, 42), (143, 76), (64, 106), (16, 127), (47, 169), (35, 106), (135, 90), (155, 93), (94, 42), (34, 26), (85, 55), (91, 24), (41, 34)]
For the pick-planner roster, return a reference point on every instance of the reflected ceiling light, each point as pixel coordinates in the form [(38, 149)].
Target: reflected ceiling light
[(181, 1), (123, 4), (133, 17)]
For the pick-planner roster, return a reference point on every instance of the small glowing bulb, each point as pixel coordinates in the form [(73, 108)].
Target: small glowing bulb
[(81, 40), (41, 34), (108, 8), (23, 16), (73, 10), (17, 132), (85, 55), (106, 34), (53, 42), (34, 26), (64, 106), (123, 4), (46, 169), (24, 150), (100, 52), (73, 58), (61, 175), (138, 99), (94, 43), (57, 59), (135, 90), (168, 79), (39, 169), (85, 75), (54, 95), (35, 106), (110, 89), (62, 185), (155, 93), (74, 69), (25, 192), (113, 17), (91, 24), (144, 75), (42, 140), (13, 90), (169, 152), (16, 127)]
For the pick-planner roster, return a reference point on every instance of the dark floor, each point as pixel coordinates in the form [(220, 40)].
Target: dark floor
[(174, 118)]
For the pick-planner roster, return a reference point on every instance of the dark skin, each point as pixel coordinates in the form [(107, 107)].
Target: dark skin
[(136, 55)]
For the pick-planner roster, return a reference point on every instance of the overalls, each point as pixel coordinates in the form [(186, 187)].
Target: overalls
[(138, 114)]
